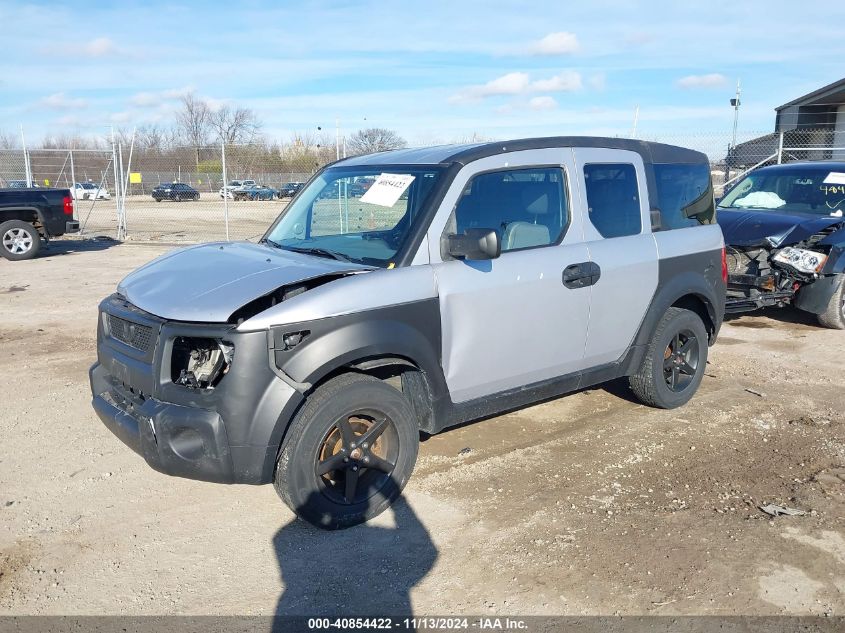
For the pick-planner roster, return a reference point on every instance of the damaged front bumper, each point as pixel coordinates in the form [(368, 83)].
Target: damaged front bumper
[(228, 433), (748, 292), (173, 439)]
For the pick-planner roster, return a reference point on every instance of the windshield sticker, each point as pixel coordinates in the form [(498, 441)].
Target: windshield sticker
[(387, 189), (835, 178)]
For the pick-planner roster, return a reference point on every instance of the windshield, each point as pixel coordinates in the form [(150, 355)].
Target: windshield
[(335, 216), (815, 190)]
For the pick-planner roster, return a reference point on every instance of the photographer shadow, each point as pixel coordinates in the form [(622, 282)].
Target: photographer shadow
[(366, 570)]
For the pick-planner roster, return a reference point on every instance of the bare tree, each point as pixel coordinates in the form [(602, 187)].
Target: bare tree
[(8, 141), (234, 125), (193, 122), (153, 138), (374, 139)]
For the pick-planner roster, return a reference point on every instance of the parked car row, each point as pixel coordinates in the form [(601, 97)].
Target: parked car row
[(237, 190), (250, 190), (176, 191)]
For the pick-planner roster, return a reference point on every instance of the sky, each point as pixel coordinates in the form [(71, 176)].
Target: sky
[(434, 71)]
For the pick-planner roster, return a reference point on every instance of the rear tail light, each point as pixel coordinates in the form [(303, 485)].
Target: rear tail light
[(68, 205), (724, 265)]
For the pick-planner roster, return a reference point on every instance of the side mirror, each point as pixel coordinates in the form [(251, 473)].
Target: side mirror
[(475, 244)]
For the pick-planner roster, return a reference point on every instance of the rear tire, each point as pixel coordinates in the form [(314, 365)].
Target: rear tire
[(674, 361), (834, 315), (19, 240), (348, 452)]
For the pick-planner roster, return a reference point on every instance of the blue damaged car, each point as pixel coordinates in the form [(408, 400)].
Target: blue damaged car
[(785, 235)]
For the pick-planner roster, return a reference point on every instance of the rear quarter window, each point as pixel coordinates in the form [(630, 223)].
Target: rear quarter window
[(613, 202), (684, 195)]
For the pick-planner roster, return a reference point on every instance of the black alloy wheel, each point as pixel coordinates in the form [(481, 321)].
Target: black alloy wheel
[(680, 360), (357, 457)]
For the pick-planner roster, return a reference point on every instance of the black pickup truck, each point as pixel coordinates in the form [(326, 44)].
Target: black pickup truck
[(28, 215)]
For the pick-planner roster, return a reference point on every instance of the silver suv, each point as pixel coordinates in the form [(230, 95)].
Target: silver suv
[(462, 282)]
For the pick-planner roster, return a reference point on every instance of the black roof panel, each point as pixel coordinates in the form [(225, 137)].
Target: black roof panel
[(463, 154)]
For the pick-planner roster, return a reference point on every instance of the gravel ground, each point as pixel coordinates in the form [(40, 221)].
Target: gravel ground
[(589, 504)]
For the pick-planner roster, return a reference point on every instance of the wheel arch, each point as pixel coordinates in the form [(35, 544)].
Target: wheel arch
[(23, 213), (686, 290), (402, 341)]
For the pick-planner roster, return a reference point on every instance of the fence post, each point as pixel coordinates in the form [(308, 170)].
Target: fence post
[(116, 182), (780, 147), (225, 191), (121, 215), (26, 167), (72, 175)]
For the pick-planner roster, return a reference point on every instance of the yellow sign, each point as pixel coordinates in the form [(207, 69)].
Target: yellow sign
[(46, 182), (135, 177)]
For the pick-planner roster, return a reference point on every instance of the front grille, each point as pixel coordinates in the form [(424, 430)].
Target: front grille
[(134, 335)]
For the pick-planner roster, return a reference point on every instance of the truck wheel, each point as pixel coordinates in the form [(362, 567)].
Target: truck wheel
[(674, 361), (19, 240), (834, 315), (348, 453)]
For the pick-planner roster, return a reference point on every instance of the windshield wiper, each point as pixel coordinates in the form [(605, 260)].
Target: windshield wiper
[(319, 252), (267, 240)]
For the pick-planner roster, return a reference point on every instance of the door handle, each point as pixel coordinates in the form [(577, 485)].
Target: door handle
[(581, 275)]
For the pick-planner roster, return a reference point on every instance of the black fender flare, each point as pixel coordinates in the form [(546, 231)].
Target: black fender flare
[(408, 332), (678, 288), (27, 209)]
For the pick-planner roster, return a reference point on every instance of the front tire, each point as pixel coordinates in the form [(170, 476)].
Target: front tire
[(674, 361), (348, 453), (834, 315), (19, 240)]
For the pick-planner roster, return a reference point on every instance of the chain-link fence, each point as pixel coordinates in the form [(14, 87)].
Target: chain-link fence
[(189, 194)]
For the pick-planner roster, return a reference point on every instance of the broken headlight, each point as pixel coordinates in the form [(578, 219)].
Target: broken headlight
[(200, 363), (801, 260)]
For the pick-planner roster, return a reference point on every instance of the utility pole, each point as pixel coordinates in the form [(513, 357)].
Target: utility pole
[(337, 138), (735, 103)]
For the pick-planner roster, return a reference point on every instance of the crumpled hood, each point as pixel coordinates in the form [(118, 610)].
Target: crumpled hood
[(752, 228), (207, 283)]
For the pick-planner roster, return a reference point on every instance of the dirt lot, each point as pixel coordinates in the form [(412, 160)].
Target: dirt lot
[(189, 220), (587, 504)]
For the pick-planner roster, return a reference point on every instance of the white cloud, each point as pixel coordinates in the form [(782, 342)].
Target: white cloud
[(100, 47), (120, 117), (518, 83), (68, 120), (598, 82), (567, 81), (157, 99), (145, 99), (542, 103), (712, 80), (561, 43), (60, 101)]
